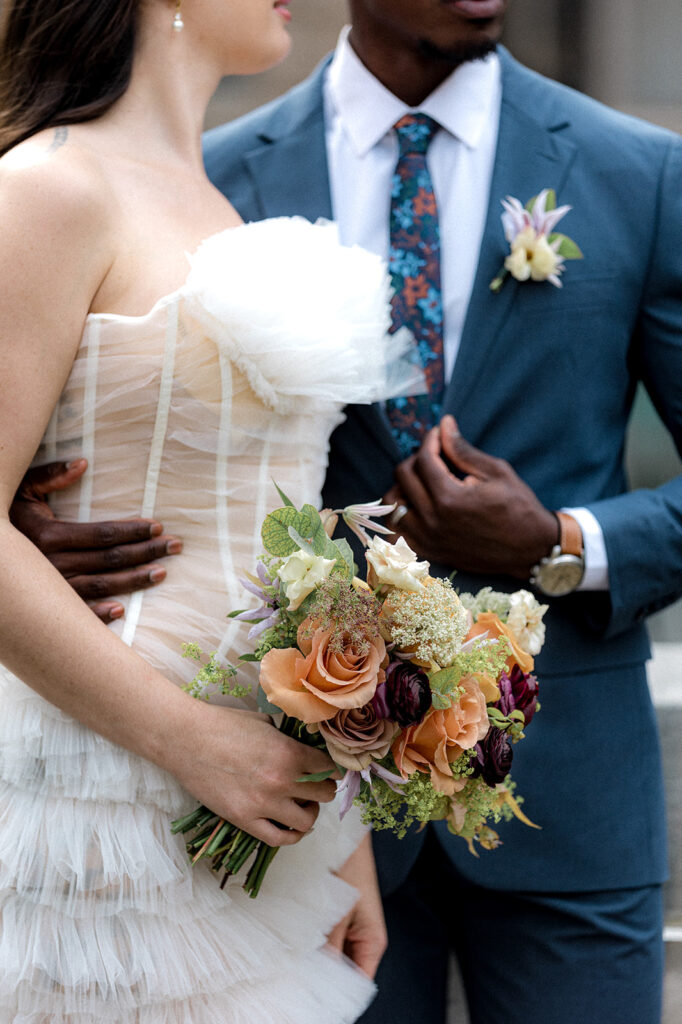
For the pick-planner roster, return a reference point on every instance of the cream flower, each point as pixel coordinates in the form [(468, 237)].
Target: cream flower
[(525, 620), (532, 256), (301, 573), (395, 565)]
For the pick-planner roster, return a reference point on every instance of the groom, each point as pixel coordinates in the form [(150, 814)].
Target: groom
[(562, 925)]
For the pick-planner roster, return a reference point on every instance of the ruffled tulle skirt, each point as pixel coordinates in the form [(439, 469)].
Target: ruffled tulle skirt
[(102, 919)]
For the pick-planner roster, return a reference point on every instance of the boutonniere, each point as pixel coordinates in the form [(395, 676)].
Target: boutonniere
[(537, 250)]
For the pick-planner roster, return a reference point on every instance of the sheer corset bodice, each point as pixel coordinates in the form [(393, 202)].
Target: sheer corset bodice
[(189, 414)]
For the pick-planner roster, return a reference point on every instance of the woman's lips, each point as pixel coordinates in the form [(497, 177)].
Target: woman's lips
[(479, 10), (281, 6)]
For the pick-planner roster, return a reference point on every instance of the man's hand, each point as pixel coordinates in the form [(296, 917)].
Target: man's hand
[(98, 559), (489, 521)]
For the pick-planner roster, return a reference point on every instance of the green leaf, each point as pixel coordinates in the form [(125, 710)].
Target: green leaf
[(249, 658), (264, 704), (445, 681), (301, 542), (345, 550), (275, 531), (317, 535), (318, 776), (233, 615), (440, 702), (287, 501), (568, 248)]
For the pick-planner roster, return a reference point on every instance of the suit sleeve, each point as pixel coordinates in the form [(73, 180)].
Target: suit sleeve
[(643, 529)]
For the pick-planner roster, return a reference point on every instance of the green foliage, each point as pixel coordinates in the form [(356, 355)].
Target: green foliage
[(275, 530), (568, 249), (416, 802), (211, 677)]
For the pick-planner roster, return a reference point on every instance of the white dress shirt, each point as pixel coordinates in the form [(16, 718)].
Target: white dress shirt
[(362, 151)]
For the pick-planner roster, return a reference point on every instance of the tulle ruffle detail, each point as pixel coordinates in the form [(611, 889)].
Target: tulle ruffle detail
[(102, 919), (45, 751), (322, 995), (332, 347)]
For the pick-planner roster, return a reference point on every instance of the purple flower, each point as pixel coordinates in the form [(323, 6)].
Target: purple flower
[(525, 689), (518, 692), (268, 614), (493, 758), (405, 696)]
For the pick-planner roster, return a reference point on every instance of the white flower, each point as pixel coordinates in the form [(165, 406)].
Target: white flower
[(525, 620), (528, 232), (301, 573), (395, 565), (533, 256)]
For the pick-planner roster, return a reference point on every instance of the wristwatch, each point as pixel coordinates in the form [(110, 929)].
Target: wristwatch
[(562, 570)]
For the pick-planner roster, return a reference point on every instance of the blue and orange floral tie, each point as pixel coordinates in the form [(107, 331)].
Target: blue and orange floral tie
[(414, 263)]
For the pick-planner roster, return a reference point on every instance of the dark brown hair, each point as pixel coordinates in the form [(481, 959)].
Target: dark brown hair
[(62, 61)]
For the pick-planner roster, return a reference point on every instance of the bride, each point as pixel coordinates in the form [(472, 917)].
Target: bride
[(190, 386)]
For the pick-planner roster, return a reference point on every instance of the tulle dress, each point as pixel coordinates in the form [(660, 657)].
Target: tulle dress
[(187, 414)]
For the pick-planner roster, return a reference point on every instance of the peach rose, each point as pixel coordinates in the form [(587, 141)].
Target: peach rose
[(443, 737), (314, 683), (357, 736), (489, 623)]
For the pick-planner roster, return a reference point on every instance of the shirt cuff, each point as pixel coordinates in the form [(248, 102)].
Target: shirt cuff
[(596, 575)]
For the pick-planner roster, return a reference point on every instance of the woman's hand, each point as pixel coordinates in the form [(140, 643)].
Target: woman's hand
[(238, 764), (361, 935)]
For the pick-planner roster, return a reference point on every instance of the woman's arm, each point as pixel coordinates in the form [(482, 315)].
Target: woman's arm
[(55, 249)]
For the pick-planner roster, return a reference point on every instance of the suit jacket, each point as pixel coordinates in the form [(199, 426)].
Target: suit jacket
[(544, 378)]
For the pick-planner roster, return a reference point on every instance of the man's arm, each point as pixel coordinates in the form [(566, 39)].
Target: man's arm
[(99, 560), (643, 529)]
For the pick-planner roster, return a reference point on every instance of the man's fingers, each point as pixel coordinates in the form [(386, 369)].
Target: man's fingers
[(108, 611), (54, 476), (114, 559), (463, 455), (94, 588), (412, 492), (81, 536)]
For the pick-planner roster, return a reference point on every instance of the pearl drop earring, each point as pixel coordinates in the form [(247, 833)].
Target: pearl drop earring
[(178, 23)]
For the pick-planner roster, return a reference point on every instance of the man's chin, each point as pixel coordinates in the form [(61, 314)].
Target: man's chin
[(459, 54)]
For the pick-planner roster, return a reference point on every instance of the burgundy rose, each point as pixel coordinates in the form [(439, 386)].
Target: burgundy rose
[(518, 691), (493, 758), (405, 696), (525, 690)]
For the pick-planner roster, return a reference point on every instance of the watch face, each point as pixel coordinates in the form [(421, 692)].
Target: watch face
[(560, 575)]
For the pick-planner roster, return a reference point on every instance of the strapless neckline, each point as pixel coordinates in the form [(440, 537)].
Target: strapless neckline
[(170, 297)]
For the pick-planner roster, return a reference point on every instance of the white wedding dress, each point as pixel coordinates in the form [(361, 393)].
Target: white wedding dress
[(187, 414)]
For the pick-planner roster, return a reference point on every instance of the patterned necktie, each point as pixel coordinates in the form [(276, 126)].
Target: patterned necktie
[(414, 263)]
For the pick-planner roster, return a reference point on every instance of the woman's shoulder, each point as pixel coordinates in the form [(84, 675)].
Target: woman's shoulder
[(51, 181)]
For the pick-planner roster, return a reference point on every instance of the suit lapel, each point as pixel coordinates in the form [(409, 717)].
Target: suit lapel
[(531, 155), (288, 168)]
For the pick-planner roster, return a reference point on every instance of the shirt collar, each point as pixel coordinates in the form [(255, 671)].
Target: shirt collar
[(463, 104)]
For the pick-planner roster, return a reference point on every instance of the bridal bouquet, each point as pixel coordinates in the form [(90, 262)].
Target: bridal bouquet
[(417, 693)]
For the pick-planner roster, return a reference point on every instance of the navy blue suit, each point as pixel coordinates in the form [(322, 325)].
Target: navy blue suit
[(544, 379)]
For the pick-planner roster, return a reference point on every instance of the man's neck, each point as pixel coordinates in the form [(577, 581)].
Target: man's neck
[(409, 75)]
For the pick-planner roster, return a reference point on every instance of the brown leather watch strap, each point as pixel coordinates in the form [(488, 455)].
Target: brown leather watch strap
[(571, 536)]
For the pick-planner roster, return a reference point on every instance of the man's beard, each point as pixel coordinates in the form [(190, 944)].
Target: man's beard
[(459, 54)]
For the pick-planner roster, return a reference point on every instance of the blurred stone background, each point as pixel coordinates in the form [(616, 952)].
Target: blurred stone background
[(627, 54)]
